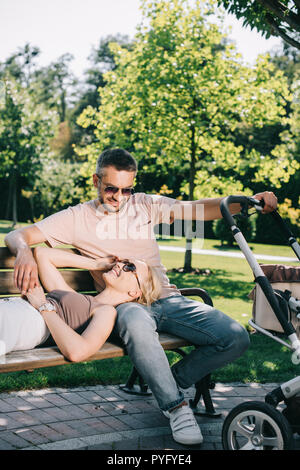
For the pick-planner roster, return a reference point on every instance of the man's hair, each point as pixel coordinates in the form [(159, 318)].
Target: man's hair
[(118, 158)]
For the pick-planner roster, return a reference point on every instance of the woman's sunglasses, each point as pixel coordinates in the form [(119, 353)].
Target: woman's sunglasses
[(130, 267)]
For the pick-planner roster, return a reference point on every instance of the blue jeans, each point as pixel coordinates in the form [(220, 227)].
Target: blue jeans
[(218, 340)]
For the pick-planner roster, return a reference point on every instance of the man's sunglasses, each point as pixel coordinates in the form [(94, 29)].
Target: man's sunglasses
[(130, 267), (115, 190)]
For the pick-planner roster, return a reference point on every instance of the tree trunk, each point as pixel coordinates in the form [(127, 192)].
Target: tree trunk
[(188, 224), (14, 201), (8, 205), (31, 204), (63, 106)]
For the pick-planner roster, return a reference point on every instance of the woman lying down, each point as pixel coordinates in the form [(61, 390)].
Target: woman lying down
[(79, 324)]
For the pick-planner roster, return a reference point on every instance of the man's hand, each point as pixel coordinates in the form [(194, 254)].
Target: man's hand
[(26, 271), (19, 242), (269, 199), (36, 296)]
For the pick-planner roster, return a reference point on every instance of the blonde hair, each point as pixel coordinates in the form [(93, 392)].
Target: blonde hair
[(151, 288)]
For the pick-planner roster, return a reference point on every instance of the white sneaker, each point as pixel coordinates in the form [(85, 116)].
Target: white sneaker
[(184, 426)]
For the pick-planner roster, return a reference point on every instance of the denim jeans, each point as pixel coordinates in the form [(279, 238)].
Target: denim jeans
[(218, 340)]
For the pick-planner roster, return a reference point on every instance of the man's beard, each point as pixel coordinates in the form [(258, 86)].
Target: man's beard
[(107, 207)]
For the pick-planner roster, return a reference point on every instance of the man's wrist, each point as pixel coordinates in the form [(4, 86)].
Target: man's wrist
[(95, 266), (24, 250)]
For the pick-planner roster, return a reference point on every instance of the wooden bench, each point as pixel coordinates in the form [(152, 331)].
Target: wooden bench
[(81, 281)]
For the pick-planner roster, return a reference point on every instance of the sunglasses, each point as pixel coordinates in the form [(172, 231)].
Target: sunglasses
[(130, 267), (115, 190)]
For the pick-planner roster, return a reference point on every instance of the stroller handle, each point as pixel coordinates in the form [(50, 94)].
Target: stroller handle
[(259, 276), (244, 201)]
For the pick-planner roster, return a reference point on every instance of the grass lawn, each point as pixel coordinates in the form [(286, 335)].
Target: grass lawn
[(229, 284)]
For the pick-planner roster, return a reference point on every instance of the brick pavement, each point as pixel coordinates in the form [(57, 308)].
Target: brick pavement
[(106, 418)]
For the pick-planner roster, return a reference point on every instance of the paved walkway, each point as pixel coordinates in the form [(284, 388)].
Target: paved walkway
[(229, 254), (106, 418)]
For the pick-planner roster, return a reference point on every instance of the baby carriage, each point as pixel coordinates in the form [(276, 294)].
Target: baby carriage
[(269, 425)]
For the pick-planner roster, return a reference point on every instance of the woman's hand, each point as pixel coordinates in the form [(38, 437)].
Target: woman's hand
[(36, 296), (106, 263)]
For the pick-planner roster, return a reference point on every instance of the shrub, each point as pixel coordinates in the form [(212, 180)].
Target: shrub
[(224, 234)]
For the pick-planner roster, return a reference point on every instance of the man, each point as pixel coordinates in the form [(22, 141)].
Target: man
[(120, 223)]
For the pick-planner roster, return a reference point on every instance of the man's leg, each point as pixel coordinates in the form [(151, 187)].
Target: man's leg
[(219, 339), (136, 325), (137, 329)]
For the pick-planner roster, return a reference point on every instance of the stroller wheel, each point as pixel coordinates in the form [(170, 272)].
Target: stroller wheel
[(256, 425)]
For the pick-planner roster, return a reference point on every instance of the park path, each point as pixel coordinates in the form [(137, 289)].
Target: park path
[(228, 254), (99, 417)]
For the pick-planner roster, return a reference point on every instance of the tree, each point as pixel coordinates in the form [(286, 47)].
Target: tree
[(57, 185), (25, 130), (54, 85), (270, 17), (101, 60), (21, 65), (287, 59), (178, 98)]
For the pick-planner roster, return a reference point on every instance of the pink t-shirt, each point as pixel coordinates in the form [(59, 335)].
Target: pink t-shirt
[(127, 234)]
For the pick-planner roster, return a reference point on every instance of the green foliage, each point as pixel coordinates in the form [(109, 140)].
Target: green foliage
[(224, 234), (269, 17), (54, 85), (36, 159), (287, 59), (267, 231), (101, 60), (20, 65), (57, 185), (179, 96), (25, 130)]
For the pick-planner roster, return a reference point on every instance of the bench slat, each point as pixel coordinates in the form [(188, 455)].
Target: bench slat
[(7, 260), (78, 280), (50, 356)]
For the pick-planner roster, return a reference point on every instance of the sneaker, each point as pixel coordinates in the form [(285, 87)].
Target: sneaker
[(184, 426)]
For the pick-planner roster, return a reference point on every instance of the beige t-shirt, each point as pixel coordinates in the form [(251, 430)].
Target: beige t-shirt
[(126, 234)]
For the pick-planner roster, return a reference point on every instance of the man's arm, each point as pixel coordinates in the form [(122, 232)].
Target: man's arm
[(209, 209), (19, 242)]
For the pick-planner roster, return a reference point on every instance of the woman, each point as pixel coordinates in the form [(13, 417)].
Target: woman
[(79, 324)]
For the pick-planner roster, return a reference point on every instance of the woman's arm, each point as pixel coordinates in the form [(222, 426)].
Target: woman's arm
[(77, 347), (49, 259), (73, 346)]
